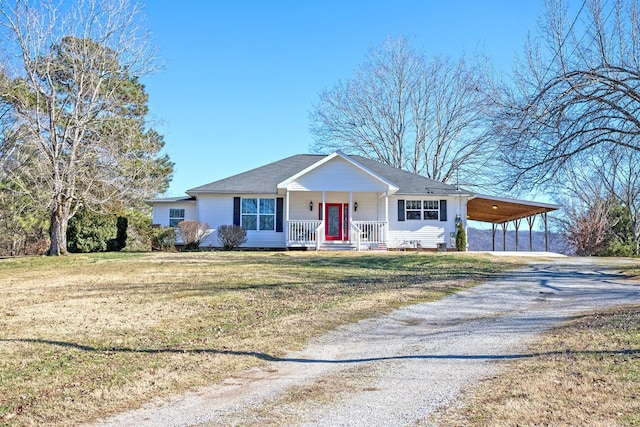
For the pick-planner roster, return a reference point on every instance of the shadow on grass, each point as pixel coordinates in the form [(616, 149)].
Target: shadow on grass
[(270, 358), (370, 271)]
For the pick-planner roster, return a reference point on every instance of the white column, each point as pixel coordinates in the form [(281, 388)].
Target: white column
[(350, 216), (286, 227), (322, 222), (386, 218), (287, 215)]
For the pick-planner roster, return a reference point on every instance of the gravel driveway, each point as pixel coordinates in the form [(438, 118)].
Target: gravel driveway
[(398, 369)]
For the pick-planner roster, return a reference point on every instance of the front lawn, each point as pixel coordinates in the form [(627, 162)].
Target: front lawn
[(84, 336)]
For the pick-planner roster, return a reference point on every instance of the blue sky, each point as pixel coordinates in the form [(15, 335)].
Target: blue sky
[(240, 77)]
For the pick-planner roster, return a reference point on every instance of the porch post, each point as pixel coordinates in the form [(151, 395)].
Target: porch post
[(386, 218), (321, 237), (516, 223), (286, 228), (350, 217)]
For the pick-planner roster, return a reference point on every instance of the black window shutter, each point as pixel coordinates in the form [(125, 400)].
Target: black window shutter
[(279, 214), (236, 211), (400, 210), (443, 210)]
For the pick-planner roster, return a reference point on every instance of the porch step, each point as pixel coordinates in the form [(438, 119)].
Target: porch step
[(337, 246)]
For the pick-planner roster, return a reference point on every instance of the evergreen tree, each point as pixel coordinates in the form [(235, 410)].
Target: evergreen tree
[(79, 107)]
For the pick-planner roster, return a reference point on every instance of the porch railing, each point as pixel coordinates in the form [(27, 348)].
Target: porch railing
[(304, 232), (367, 233), (309, 233)]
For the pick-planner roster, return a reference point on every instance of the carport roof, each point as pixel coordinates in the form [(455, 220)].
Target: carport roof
[(498, 210)]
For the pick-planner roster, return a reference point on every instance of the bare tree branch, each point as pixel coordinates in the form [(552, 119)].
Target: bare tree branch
[(426, 117), (585, 93)]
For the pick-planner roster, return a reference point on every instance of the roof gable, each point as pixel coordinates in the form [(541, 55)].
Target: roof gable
[(359, 170)]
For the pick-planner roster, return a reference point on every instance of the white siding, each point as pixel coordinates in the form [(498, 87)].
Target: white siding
[(217, 210), (338, 175), (299, 205), (370, 207), (426, 233), (160, 212)]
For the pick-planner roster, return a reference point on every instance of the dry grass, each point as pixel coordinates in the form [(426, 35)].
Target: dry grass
[(85, 336), (584, 373)]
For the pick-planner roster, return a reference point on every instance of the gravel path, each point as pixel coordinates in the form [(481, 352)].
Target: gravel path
[(400, 368)]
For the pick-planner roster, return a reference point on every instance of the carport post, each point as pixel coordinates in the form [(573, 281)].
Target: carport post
[(516, 223), (504, 235), (493, 236), (546, 232), (531, 220)]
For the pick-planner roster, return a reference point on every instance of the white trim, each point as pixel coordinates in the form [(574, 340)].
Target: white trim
[(392, 188)]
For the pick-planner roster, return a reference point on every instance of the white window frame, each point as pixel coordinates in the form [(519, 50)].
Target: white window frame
[(174, 216), (425, 210), (259, 213), (412, 207), (428, 206)]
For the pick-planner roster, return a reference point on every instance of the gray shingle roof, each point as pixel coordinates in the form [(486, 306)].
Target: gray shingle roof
[(261, 180), (264, 179), (408, 183), (171, 199)]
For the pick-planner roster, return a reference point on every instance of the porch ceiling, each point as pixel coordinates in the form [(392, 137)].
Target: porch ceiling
[(498, 210)]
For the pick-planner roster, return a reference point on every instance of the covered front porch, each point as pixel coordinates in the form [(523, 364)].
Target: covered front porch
[(324, 220)]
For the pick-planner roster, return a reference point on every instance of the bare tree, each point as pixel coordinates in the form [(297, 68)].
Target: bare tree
[(77, 107), (617, 169), (585, 216), (577, 88), (422, 116)]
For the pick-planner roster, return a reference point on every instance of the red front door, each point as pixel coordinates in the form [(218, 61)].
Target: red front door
[(336, 224)]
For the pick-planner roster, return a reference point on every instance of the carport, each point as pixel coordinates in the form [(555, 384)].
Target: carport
[(500, 212)]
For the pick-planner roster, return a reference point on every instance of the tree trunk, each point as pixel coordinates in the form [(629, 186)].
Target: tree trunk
[(58, 231)]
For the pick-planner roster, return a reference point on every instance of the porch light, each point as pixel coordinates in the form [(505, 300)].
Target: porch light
[(494, 206), (458, 219), (355, 206), (311, 205)]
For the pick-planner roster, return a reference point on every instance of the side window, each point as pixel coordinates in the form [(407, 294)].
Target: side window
[(431, 209), (414, 209), (250, 214), (267, 214), (175, 216), (422, 209)]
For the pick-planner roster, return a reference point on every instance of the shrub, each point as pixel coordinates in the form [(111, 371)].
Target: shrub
[(120, 241), (94, 232), (139, 231), (192, 233), (461, 238), (231, 236), (163, 239)]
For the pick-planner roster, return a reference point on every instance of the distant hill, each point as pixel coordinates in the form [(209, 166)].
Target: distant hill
[(480, 240)]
